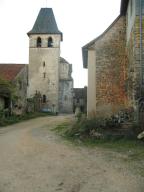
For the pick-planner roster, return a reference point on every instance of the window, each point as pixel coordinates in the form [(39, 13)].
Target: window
[(50, 42), (44, 99), (44, 64), (39, 42)]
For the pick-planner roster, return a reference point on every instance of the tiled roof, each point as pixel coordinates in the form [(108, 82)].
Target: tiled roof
[(45, 23), (10, 71)]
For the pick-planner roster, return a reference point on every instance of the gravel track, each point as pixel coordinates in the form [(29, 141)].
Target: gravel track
[(35, 159)]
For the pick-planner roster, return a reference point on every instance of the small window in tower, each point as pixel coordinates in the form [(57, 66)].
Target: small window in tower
[(44, 64), (44, 99), (50, 42), (44, 75), (39, 42)]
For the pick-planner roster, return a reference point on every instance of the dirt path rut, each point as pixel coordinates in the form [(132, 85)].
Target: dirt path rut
[(34, 159)]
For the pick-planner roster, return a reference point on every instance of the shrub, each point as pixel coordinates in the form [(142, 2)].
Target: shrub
[(102, 128)]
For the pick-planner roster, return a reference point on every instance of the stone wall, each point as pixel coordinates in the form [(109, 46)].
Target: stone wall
[(65, 96), (135, 67), (21, 83), (65, 87), (44, 70), (111, 64)]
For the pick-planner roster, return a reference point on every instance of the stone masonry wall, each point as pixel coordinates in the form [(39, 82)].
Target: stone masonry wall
[(44, 70), (134, 69), (65, 87), (65, 96), (111, 62), (21, 82)]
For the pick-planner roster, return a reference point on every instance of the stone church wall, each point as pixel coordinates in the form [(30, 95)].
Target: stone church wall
[(44, 70), (65, 87), (65, 96)]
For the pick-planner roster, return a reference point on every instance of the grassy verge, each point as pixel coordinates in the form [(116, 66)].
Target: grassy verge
[(132, 147), (16, 119), (131, 150)]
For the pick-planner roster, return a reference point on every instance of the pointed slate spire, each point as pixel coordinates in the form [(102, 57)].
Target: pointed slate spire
[(45, 23)]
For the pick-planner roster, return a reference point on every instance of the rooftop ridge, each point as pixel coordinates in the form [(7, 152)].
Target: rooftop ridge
[(45, 23)]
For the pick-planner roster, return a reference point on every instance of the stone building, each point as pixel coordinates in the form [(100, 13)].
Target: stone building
[(65, 87), (17, 76), (115, 63), (49, 74), (80, 99)]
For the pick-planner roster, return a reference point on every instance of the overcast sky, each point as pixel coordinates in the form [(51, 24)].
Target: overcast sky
[(80, 21)]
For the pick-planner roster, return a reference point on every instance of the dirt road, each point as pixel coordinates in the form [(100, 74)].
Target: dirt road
[(34, 159)]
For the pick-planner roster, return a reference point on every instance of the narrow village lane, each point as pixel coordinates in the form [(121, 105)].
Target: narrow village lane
[(34, 159)]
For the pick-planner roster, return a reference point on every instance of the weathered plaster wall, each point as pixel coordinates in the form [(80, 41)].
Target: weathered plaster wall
[(91, 90), (111, 74)]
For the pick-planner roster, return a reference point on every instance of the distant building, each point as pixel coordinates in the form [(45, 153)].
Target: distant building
[(80, 99), (65, 87), (115, 62), (17, 75)]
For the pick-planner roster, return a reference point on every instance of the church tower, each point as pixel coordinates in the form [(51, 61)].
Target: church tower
[(44, 56)]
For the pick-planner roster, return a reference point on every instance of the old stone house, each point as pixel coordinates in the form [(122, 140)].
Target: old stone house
[(115, 63), (16, 75), (49, 74)]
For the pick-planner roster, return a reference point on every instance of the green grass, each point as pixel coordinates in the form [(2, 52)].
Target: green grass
[(132, 147), (16, 119), (131, 150), (60, 129)]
